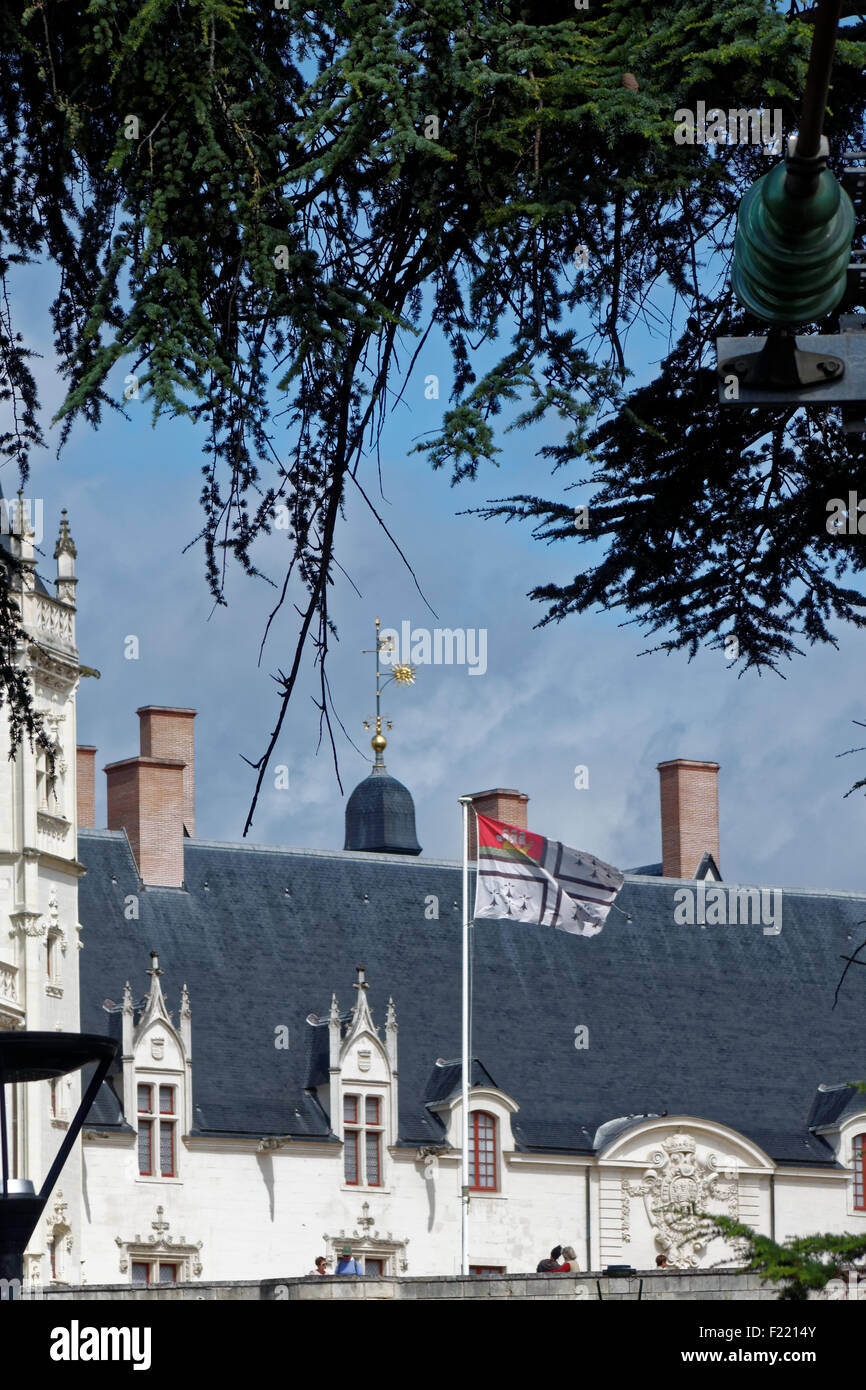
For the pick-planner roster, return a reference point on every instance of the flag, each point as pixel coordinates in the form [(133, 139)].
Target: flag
[(526, 878)]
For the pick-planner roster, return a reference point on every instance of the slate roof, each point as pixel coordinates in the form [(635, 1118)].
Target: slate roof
[(720, 1022)]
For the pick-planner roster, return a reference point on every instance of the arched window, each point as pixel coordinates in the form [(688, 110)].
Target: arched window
[(859, 1161), (482, 1152)]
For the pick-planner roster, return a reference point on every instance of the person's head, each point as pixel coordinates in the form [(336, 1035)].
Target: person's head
[(661, 1261), (556, 1252), (320, 1263), (346, 1252), (568, 1253)]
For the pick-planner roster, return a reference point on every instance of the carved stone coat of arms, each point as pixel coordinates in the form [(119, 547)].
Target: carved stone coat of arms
[(677, 1191)]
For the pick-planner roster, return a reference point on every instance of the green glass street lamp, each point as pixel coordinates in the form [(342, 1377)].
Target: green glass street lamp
[(792, 249)]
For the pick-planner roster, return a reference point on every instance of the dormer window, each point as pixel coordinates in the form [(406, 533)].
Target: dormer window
[(362, 1140), (859, 1164), (482, 1152)]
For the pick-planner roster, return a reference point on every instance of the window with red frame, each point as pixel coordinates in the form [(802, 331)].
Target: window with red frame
[(860, 1172), (350, 1141), (486, 1269), (166, 1131), (156, 1133), (153, 1272), (145, 1132), (372, 1266), (482, 1152), (362, 1137)]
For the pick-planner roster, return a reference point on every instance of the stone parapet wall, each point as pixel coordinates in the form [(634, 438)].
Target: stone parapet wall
[(694, 1286)]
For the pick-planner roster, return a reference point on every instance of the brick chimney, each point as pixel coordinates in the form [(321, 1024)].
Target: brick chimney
[(165, 732), (690, 815), (145, 798), (85, 782), (152, 797), (499, 804)]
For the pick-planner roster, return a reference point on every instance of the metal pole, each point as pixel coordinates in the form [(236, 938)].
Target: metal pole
[(805, 166), (466, 803), (74, 1129), (818, 77)]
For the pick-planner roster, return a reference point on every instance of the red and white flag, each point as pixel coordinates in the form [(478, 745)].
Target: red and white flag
[(526, 878)]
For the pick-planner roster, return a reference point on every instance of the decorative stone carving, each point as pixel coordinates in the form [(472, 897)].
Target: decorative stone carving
[(60, 1237), (675, 1190), (370, 1243), (9, 983), (52, 827), (53, 619), (161, 1245), (27, 923)]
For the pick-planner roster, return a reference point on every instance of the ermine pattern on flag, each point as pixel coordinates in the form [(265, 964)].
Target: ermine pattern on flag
[(527, 878)]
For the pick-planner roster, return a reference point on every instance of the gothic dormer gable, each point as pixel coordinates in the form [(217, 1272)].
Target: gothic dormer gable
[(155, 1038), (363, 1055), (156, 1052)]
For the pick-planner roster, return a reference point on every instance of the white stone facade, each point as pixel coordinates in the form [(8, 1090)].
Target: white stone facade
[(39, 875)]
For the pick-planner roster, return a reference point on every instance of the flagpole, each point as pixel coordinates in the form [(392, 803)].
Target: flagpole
[(466, 803)]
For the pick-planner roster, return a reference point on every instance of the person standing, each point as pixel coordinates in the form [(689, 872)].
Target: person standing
[(347, 1264), (321, 1265)]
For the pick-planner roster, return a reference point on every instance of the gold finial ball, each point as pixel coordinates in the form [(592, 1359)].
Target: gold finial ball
[(378, 743)]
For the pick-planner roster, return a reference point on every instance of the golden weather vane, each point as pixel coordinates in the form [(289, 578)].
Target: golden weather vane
[(402, 674)]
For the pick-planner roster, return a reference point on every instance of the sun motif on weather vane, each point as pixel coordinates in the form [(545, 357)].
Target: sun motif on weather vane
[(402, 674)]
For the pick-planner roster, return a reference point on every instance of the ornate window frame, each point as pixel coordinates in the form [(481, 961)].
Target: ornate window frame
[(161, 1247), (368, 1241), (55, 944)]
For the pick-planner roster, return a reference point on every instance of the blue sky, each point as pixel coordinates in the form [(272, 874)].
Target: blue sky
[(574, 693)]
